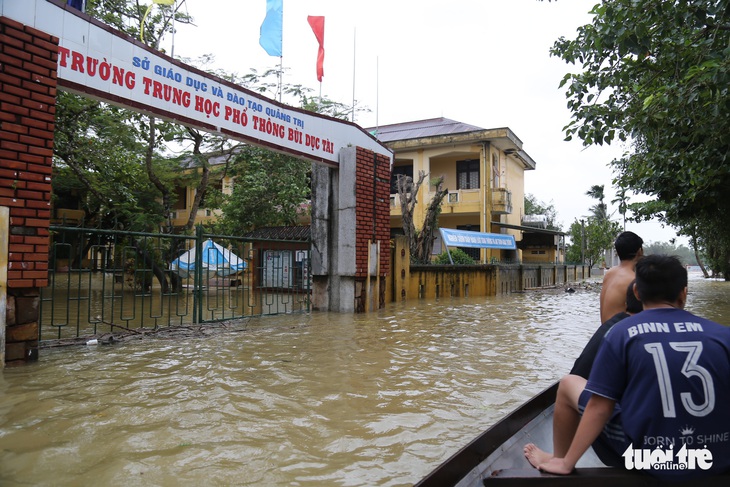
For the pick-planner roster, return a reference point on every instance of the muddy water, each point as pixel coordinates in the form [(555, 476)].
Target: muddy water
[(301, 400)]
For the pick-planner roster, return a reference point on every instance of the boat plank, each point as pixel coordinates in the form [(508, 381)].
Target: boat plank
[(595, 477)]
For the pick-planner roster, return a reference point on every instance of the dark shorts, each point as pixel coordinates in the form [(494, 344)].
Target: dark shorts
[(611, 443)]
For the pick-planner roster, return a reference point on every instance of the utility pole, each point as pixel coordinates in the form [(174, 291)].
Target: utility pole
[(583, 241)]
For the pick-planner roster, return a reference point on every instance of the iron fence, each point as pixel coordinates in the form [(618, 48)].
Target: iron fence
[(104, 281)]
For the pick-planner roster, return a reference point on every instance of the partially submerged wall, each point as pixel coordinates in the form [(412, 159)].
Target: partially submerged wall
[(439, 281)]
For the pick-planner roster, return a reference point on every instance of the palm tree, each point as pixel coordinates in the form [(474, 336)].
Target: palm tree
[(623, 202), (600, 210)]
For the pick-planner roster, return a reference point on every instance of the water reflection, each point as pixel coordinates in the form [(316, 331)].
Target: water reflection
[(304, 400)]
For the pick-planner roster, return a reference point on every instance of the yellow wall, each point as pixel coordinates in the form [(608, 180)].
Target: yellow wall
[(437, 281)]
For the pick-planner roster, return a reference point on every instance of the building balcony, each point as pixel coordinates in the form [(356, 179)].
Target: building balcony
[(501, 201), (466, 201)]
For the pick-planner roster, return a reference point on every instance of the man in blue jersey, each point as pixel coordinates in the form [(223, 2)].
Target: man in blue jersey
[(668, 370)]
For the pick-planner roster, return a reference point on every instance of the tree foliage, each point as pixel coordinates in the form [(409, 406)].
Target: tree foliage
[(457, 255), (98, 159), (655, 74), (685, 254), (600, 209), (595, 235), (533, 206), (269, 189), (590, 239)]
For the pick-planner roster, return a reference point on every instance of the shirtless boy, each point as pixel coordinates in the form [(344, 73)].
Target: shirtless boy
[(613, 292)]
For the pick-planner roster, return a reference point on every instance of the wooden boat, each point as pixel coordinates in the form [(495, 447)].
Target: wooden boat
[(495, 457)]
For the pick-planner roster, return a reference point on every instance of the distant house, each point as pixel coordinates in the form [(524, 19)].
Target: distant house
[(483, 169)]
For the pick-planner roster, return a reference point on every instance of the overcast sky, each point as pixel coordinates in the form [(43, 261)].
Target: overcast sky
[(483, 62)]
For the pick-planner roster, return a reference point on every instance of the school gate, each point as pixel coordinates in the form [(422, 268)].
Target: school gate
[(46, 46)]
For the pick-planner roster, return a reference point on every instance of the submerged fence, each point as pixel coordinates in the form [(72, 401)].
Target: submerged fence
[(102, 281)]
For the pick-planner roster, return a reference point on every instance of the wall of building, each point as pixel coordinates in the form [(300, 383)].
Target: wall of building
[(515, 174), (28, 105)]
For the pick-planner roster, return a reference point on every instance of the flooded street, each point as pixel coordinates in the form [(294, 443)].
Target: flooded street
[(300, 400)]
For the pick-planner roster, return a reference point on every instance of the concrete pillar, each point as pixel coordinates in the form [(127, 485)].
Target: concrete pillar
[(333, 235)]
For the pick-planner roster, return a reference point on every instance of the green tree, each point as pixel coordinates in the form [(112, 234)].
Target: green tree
[(600, 209), (117, 155), (685, 254), (269, 189), (655, 74), (590, 239), (457, 255), (622, 200), (533, 206), (98, 157)]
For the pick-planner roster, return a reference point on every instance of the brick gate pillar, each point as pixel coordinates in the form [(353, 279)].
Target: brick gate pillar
[(27, 109), (351, 232)]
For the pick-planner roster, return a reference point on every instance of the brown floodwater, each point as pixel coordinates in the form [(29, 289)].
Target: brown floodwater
[(297, 400)]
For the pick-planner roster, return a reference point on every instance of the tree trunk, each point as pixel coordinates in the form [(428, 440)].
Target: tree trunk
[(204, 176), (420, 242), (430, 224), (150, 263)]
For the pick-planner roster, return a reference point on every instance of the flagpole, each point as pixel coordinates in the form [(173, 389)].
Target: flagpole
[(354, 55), (377, 92), (172, 49), (281, 72)]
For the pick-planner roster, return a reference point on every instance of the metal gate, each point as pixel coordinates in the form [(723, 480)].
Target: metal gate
[(103, 281)]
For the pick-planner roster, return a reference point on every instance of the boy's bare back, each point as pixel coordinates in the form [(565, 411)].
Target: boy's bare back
[(613, 291), (629, 248)]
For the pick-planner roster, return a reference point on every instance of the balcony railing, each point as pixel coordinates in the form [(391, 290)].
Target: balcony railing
[(459, 201)]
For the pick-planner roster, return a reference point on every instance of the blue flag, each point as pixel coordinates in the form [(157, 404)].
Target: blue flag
[(271, 28)]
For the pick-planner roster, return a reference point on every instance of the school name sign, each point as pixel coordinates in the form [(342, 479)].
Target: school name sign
[(464, 238), (96, 60)]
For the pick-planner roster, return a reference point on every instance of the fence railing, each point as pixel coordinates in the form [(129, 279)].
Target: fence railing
[(103, 281)]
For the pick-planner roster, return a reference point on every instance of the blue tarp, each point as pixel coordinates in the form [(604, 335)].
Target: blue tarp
[(215, 259)]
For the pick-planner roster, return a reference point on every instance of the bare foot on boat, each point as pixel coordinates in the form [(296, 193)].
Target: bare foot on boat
[(536, 456), (556, 466)]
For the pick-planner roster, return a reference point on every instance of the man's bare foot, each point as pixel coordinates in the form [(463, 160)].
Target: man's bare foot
[(535, 455)]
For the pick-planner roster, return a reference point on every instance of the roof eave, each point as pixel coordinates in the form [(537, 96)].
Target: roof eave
[(502, 138)]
